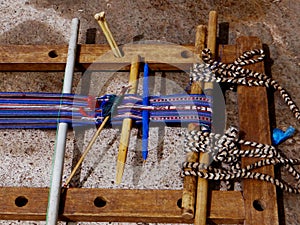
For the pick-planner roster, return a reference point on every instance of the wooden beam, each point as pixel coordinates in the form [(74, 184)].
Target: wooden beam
[(86, 204), (260, 197), (160, 57)]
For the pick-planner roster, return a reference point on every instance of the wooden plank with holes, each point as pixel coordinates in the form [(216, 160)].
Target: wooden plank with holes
[(260, 197), (95, 57), (92, 204)]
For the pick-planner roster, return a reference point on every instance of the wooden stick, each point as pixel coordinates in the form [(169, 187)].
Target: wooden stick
[(190, 182), (100, 17), (127, 123), (202, 184), (88, 148), (200, 39), (212, 32)]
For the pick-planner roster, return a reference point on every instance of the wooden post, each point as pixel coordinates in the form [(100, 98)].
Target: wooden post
[(202, 185), (260, 197), (190, 182), (127, 123)]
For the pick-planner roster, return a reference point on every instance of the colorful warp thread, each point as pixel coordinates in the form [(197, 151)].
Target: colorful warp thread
[(226, 148), (45, 110)]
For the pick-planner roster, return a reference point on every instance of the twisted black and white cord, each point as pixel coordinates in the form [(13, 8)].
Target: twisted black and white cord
[(234, 73), (226, 149)]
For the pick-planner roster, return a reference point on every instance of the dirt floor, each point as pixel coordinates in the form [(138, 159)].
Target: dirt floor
[(275, 22)]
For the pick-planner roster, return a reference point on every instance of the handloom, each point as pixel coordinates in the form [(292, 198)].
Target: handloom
[(46, 110), (79, 204)]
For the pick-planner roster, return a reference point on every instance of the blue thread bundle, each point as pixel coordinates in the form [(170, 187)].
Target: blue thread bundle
[(280, 136), (44, 110)]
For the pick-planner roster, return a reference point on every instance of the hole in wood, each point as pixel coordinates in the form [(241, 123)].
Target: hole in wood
[(186, 54), (179, 203), (99, 202), (52, 54), (258, 205), (21, 201)]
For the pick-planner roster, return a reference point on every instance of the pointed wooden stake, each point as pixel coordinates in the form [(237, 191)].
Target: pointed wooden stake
[(127, 123)]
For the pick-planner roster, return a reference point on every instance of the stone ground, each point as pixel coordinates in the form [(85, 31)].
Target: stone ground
[(26, 155)]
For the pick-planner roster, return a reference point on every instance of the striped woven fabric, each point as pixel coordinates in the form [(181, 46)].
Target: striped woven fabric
[(175, 109), (46, 110)]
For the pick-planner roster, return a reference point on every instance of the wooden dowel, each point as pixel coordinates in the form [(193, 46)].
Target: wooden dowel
[(212, 32), (88, 148), (100, 17), (202, 184), (190, 182), (127, 123), (200, 39)]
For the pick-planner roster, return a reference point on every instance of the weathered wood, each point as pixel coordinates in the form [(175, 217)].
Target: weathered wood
[(190, 182), (86, 204), (202, 184), (160, 57), (260, 197)]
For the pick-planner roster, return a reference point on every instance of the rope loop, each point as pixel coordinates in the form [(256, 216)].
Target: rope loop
[(226, 149), (235, 74)]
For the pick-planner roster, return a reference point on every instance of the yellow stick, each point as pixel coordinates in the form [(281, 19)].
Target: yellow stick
[(127, 123), (202, 186), (100, 17), (88, 148)]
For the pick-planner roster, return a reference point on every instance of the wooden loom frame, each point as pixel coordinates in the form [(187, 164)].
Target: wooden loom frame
[(80, 204)]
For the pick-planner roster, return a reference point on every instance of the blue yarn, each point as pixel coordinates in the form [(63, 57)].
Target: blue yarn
[(145, 113), (280, 136), (78, 110)]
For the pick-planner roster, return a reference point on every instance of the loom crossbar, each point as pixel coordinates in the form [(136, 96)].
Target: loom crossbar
[(97, 57), (92, 204)]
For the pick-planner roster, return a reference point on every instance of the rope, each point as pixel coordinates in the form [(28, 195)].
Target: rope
[(227, 148), (234, 73)]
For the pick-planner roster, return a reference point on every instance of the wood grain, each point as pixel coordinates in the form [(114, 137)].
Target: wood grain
[(202, 184), (117, 205), (190, 182), (95, 57), (255, 124)]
